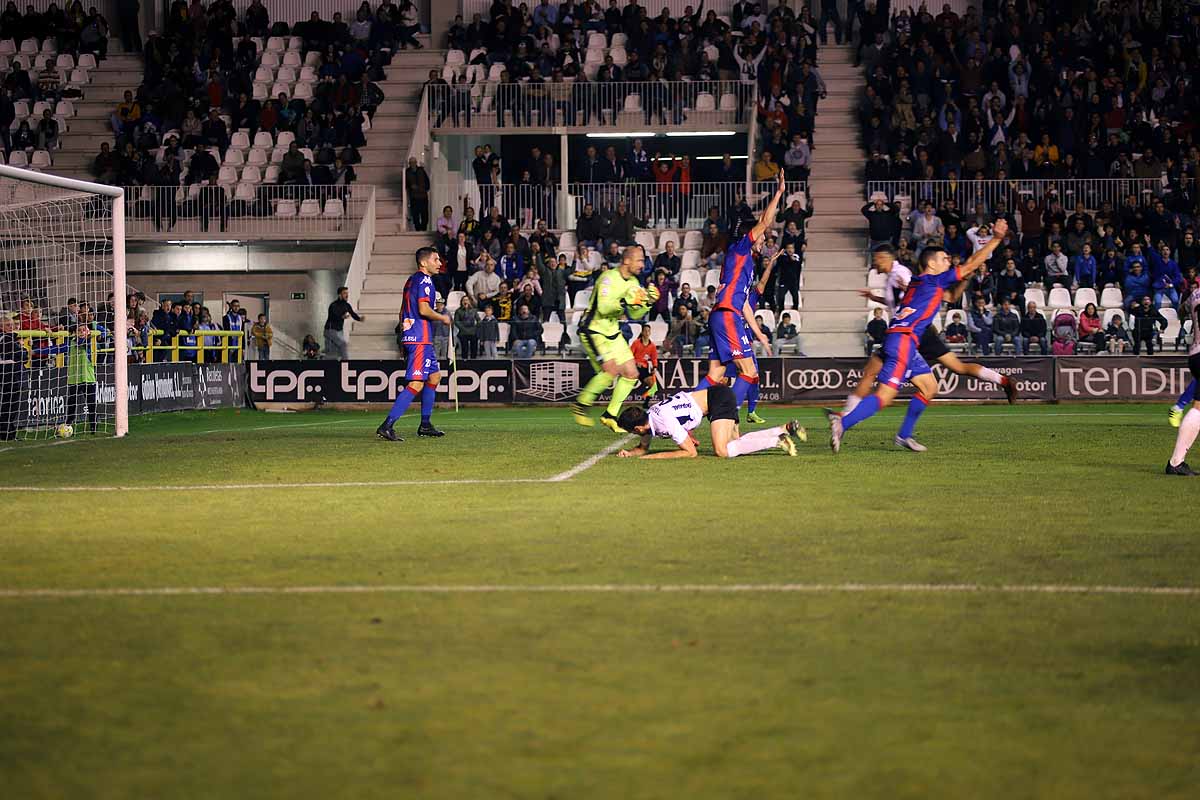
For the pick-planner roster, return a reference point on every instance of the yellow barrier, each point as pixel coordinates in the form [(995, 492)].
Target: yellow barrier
[(201, 347), (224, 349), (57, 338)]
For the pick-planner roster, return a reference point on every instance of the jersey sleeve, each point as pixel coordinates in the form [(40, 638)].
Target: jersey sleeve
[(425, 291), (949, 278)]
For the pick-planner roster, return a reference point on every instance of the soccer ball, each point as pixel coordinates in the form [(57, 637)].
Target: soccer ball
[(64, 431)]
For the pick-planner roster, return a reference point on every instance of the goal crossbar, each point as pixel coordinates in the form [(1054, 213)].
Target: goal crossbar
[(120, 317)]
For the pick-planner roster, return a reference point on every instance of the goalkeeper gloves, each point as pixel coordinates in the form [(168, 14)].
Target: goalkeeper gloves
[(652, 293)]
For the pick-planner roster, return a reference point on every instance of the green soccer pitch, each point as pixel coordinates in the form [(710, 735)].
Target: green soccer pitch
[(501, 613)]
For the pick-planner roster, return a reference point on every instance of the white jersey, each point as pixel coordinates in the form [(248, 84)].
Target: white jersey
[(1191, 305), (674, 417), (897, 283)]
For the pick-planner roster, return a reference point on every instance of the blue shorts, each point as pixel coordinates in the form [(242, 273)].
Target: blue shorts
[(730, 336), (422, 362), (901, 360)]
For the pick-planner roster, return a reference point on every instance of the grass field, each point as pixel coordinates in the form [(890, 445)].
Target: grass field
[(866, 652)]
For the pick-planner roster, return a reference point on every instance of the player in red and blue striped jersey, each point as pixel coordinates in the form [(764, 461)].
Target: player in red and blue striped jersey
[(901, 359), (731, 321), (423, 373)]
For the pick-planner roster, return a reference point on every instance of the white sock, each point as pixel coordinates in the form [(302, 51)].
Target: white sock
[(851, 401), (1187, 436), (754, 442), (990, 375)]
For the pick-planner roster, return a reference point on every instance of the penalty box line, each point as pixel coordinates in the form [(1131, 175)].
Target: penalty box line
[(615, 588), (566, 475)]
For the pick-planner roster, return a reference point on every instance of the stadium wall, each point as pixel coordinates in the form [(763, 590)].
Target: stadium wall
[(782, 380)]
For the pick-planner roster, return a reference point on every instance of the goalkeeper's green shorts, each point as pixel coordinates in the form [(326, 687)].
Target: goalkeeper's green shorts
[(601, 349)]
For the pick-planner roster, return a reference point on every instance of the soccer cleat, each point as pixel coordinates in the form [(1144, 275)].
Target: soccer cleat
[(429, 430), (1175, 416), (794, 428), (1182, 469), (580, 414), (835, 430), (755, 418), (786, 444), (911, 444), (385, 431), (610, 422), (1010, 389)]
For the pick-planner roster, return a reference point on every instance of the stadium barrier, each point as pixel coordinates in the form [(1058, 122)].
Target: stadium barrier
[(152, 388), (983, 195), (782, 380), (589, 105)]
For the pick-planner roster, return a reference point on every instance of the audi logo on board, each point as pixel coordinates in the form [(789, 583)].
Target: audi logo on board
[(810, 379)]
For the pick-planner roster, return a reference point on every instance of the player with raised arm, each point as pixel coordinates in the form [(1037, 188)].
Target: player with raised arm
[(914, 313), (1189, 426), (616, 294), (752, 299), (422, 373), (675, 418), (731, 320), (931, 347)]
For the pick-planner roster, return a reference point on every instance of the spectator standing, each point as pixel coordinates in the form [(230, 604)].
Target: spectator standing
[(488, 333), (337, 343), (466, 324), (262, 335), (883, 219), (416, 180), (1145, 317), (12, 360)]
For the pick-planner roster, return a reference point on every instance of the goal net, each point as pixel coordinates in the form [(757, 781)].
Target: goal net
[(63, 329)]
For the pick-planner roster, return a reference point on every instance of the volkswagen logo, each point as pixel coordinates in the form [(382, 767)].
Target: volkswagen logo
[(807, 379), (947, 380)]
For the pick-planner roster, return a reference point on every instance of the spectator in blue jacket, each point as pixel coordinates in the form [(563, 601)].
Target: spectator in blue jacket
[(1134, 256), (955, 242), (1165, 277), (511, 267), (1085, 269), (1136, 285), (1110, 268)]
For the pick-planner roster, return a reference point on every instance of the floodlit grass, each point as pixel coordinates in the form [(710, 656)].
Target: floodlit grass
[(601, 694)]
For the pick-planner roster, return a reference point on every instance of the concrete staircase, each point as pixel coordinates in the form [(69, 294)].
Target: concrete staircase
[(383, 166), (834, 314)]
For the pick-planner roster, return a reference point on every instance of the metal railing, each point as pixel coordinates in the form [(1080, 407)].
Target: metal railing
[(679, 204), (653, 8), (200, 345), (364, 246), (418, 147), (245, 210), (683, 205), (695, 105), (983, 197)]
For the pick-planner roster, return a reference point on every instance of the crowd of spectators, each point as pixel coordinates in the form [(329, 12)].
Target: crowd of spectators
[(585, 57), (1136, 262), (1032, 90), (494, 267), (204, 95)]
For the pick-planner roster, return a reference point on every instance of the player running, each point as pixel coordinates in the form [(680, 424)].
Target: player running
[(616, 294), (901, 357), (731, 320), (931, 347), (675, 417), (422, 372), (1189, 426)]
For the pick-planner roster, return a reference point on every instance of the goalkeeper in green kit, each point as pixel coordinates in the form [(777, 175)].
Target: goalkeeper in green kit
[(616, 294)]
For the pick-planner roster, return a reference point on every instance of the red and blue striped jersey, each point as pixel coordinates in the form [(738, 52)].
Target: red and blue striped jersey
[(921, 301), (417, 289), (736, 276)]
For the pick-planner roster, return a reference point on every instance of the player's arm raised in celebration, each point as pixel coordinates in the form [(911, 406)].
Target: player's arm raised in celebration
[(768, 216), (980, 257)]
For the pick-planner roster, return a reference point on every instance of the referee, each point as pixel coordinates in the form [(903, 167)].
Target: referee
[(12, 356)]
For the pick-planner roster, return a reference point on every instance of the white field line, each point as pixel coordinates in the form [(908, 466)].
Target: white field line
[(582, 466), (587, 464), (616, 588)]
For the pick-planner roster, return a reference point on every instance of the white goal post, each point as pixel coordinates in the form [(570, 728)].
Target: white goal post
[(52, 223)]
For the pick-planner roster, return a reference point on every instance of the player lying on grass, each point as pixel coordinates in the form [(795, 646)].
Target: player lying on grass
[(616, 294), (901, 358), (931, 347), (675, 418), (731, 321), (1189, 426), (422, 372)]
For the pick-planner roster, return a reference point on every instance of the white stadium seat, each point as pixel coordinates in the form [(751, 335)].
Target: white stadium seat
[(251, 174), (245, 192), (1084, 296), (257, 157), (285, 208), (645, 239), (86, 61), (227, 176), (1059, 298), (693, 240), (1035, 294), (240, 141), (690, 277), (690, 259), (41, 159), (310, 208), (334, 208), (1111, 297), (668, 236), (234, 158)]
